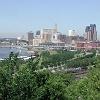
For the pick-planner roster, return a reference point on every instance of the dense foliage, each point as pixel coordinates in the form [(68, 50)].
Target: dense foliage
[(23, 80)]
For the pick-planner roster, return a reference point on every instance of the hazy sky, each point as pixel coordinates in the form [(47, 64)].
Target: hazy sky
[(20, 16)]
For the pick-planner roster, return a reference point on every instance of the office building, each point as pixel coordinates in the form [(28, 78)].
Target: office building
[(91, 33), (71, 33), (30, 38), (46, 34)]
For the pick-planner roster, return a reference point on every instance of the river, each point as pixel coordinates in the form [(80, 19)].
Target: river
[(5, 51)]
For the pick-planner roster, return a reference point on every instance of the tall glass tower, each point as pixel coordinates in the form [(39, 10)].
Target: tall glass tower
[(91, 33)]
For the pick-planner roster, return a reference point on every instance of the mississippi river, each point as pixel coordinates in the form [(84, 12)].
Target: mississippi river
[(5, 51)]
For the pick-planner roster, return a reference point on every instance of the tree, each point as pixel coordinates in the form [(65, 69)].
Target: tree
[(52, 86)]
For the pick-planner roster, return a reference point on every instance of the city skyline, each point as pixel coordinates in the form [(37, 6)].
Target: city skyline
[(22, 16)]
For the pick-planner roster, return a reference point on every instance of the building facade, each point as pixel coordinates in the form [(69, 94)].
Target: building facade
[(30, 38), (87, 45), (91, 33)]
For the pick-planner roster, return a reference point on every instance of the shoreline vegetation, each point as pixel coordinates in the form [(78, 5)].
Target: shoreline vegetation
[(56, 75)]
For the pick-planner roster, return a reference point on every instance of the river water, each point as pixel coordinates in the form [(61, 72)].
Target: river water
[(5, 51)]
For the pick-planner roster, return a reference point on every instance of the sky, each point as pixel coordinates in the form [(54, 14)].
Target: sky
[(17, 17)]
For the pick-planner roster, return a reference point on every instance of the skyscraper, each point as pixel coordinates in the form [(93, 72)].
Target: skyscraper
[(71, 33), (48, 33), (91, 33), (30, 38)]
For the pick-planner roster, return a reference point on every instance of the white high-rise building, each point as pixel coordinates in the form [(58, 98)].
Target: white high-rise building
[(71, 33), (44, 35)]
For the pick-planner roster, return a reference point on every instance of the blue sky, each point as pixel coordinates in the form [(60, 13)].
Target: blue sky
[(17, 17)]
